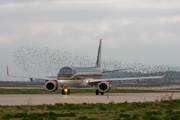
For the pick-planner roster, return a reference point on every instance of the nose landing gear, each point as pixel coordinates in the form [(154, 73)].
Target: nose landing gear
[(65, 90)]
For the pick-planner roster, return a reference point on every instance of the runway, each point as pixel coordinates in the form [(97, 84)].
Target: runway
[(38, 99)]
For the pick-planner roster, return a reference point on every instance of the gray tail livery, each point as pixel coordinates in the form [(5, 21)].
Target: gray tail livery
[(98, 63)]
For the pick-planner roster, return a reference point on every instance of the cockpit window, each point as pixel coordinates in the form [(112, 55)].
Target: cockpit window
[(65, 71)]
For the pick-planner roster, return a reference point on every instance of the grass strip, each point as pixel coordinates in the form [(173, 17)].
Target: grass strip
[(164, 110), (43, 91)]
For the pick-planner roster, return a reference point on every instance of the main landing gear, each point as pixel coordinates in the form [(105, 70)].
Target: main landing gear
[(97, 92), (65, 90)]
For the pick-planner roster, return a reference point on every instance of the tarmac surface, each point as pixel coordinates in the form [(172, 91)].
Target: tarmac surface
[(38, 99)]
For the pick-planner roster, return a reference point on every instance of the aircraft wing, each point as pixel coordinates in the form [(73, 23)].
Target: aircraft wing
[(32, 78), (125, 79)]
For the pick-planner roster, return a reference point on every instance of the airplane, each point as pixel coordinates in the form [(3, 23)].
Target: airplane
[(83, 77)]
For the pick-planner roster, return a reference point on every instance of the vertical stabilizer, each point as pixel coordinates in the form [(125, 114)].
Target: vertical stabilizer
[(98, 63)]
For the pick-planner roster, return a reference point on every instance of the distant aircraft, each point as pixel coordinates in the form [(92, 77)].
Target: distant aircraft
[(82, 77)]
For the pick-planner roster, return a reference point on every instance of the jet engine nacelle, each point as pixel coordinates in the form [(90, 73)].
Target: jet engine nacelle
[(51, 86), (104, 86)]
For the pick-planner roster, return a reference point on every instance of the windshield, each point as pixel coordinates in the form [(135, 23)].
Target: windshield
[(65, 71)]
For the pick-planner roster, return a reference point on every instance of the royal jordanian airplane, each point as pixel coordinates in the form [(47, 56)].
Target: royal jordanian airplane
[(82, 77)]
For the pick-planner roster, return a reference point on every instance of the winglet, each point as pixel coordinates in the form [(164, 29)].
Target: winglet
[(7, 71), (165, 76), (98, 63)]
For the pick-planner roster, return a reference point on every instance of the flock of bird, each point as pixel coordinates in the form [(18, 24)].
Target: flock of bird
[(42, 61)]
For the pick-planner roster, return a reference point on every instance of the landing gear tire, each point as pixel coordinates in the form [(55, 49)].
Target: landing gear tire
[(97, 92), (102, 93), (63, 93)]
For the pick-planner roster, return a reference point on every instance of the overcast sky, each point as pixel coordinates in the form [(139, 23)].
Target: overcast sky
[(147, 31)]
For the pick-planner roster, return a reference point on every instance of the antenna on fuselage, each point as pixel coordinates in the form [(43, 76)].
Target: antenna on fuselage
[(98, 63)]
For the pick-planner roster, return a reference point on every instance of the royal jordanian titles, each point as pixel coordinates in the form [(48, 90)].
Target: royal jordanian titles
[(83, 77)]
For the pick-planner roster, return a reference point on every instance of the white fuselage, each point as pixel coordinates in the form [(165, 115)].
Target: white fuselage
[(78, 76), (73, 83)]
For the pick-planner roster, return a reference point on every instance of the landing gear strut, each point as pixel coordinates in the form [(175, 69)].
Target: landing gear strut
[(97, 92)]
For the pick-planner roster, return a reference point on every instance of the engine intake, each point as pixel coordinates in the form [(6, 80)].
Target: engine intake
[(104, 86), (51, 86)]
